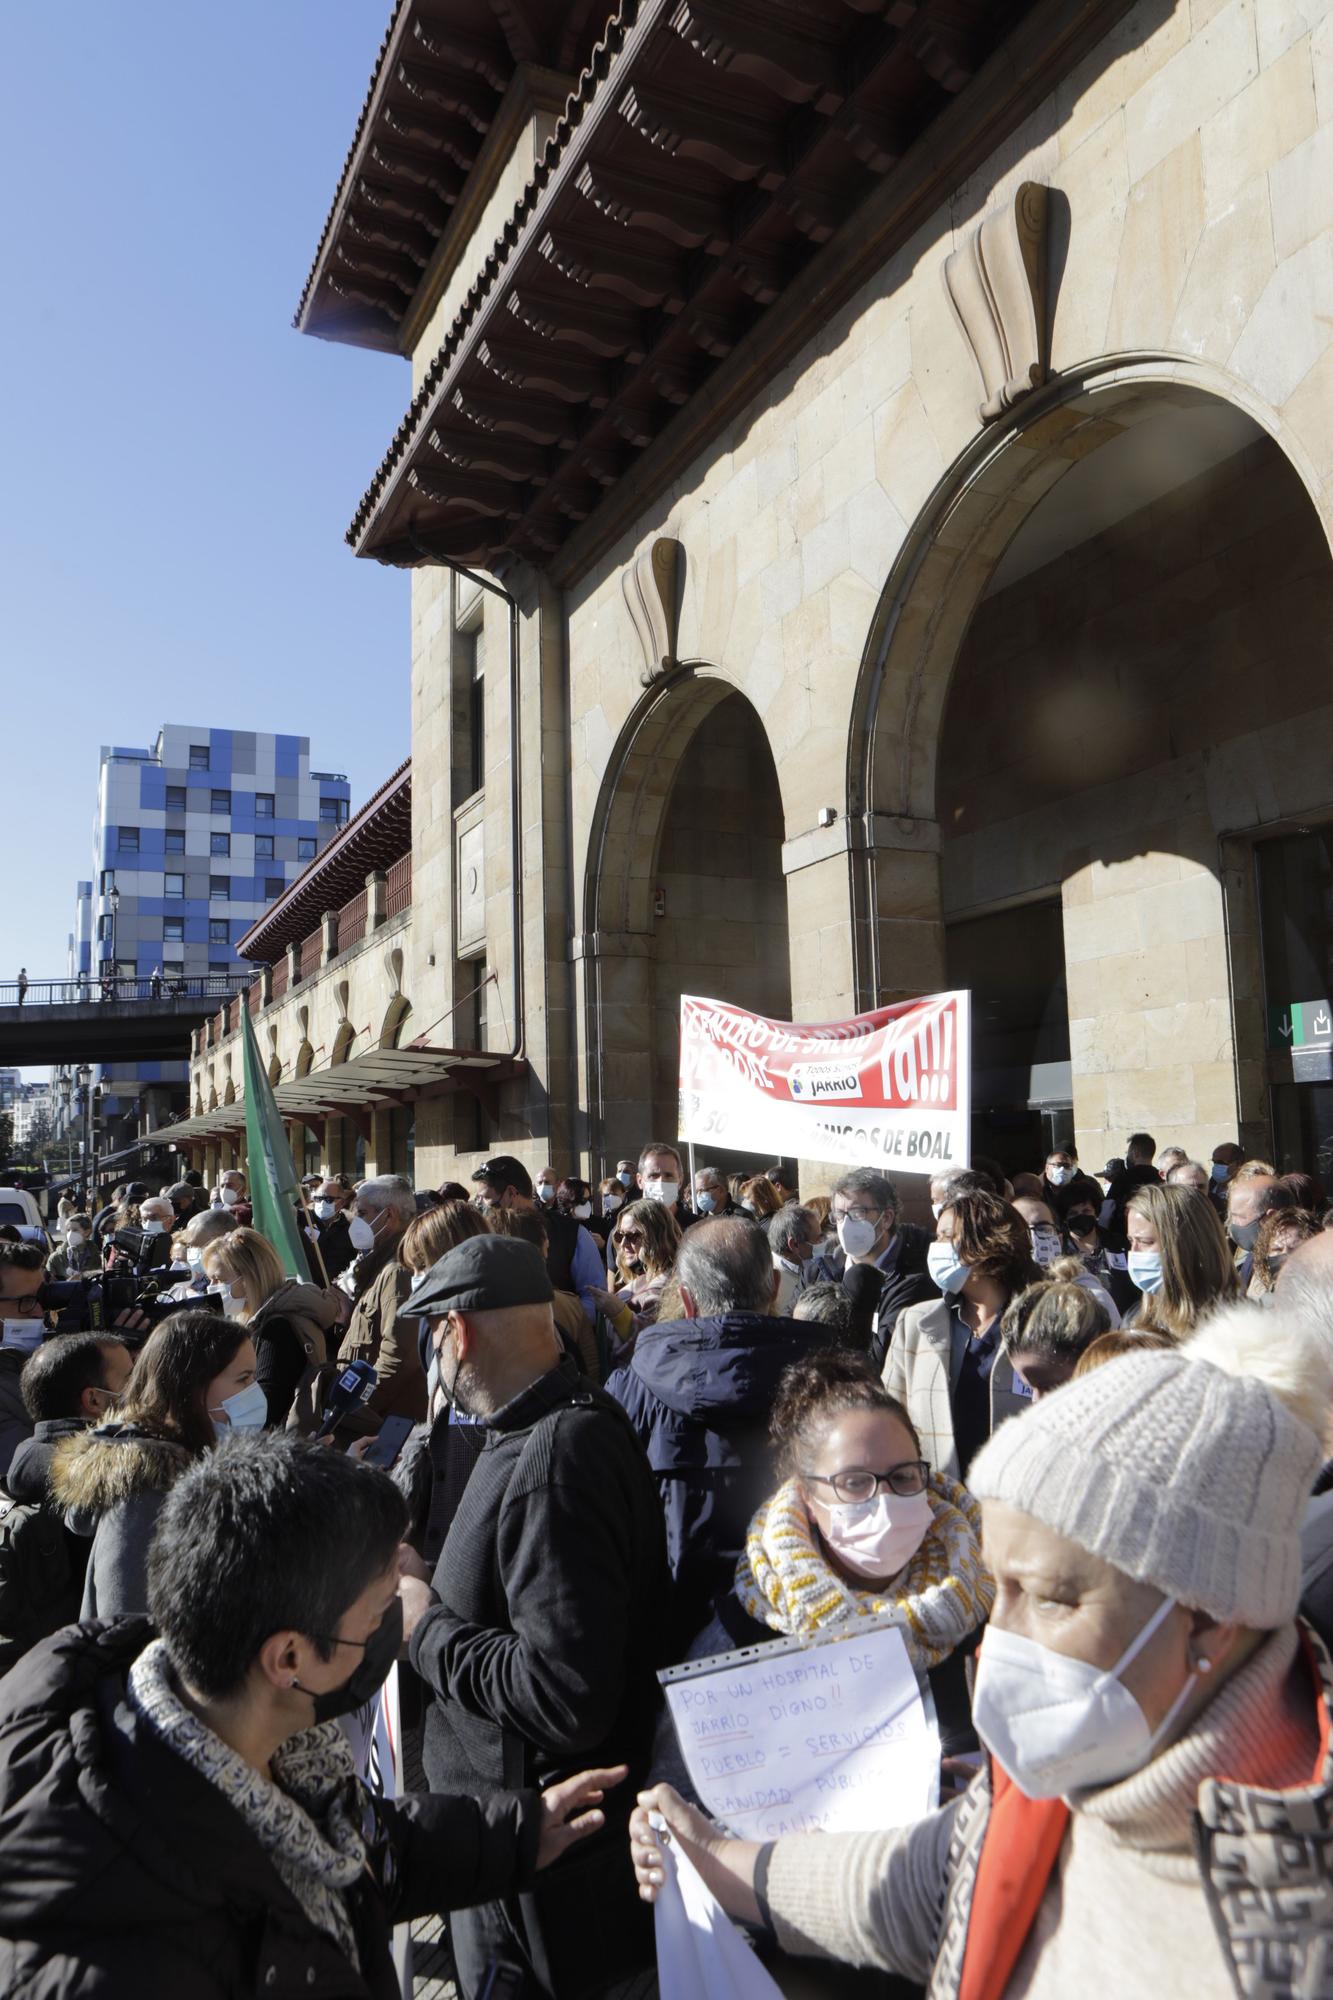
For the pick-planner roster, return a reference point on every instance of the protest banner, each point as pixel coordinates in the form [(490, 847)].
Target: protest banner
[(889, 1089), (822, 1735)]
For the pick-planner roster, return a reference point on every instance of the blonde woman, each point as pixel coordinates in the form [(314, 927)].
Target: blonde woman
[(1178, 1258), (643, 1247), (288, 1321)]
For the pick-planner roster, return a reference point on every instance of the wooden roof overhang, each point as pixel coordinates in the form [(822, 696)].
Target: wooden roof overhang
[(724, 176), (376, 837), (444, 71)]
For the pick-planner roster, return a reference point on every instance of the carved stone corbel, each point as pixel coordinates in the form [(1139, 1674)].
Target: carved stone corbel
[(996, 284), (652, 586)]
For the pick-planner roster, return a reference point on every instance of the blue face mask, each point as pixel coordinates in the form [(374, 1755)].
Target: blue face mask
[(625, 1179), (945, 1267), (705, 1203), (1145, 1269), (247, 1410)]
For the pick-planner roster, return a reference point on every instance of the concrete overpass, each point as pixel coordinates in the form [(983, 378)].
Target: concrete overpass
[(117, 1021)]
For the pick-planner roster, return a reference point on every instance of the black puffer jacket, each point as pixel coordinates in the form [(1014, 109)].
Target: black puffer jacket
[(125, 1875)]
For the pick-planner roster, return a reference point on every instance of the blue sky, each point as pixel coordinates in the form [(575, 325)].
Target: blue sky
[(179, 465)]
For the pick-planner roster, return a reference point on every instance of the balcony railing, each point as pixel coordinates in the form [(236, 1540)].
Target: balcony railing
[(279, 979), (399, 896), (311, 952), (352, 921)]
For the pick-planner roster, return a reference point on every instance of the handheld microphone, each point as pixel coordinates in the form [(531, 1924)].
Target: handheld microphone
[(353, 1384)]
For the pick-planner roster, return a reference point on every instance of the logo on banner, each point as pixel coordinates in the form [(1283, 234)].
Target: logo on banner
[(813, 1081)]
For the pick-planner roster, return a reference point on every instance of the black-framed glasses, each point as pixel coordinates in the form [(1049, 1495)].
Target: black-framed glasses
[(859, 1483), (31, 1305)]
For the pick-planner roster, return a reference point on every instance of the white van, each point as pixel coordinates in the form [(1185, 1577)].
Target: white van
[(20, 1208)]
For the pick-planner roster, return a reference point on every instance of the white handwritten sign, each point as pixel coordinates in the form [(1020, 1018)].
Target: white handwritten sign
[(829, 1735)]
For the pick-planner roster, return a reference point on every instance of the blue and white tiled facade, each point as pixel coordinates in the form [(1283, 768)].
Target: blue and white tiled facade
[(199, 834)]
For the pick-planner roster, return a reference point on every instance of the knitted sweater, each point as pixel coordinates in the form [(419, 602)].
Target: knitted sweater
[(1124, 1911)]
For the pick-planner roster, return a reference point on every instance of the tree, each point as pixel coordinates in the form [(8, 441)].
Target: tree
[(6, 1135)]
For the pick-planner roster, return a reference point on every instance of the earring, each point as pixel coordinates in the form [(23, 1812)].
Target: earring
[(1203, 1665)]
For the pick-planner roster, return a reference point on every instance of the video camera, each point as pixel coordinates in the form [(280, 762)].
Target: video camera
[(93, 1303)]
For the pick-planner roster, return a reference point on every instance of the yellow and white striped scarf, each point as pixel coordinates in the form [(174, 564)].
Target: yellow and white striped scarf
[(785, 1581)]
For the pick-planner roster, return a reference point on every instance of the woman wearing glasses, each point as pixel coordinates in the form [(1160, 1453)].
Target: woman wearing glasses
[(641, 1250), (860, 1527)]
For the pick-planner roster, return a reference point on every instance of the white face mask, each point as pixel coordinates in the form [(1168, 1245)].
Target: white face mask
[(155, 1228), (1057, 1176), (610, 1203), (856, 1235), (1145, 1269), (194, 1258), (361, 1234), (546, 1190), (582, 1210), (324, 1210), (945, 1268), (878, 1537), (234, 1306), (230, 1196), (74, 1237), (937, 1209), (664, 1191), (1057, 1725), (1046, 1244)]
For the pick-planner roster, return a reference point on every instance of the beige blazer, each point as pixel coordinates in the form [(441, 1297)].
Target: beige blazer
[(916, 1371)]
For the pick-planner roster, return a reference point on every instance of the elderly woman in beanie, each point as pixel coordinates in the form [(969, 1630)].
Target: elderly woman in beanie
[(1153, 1819)]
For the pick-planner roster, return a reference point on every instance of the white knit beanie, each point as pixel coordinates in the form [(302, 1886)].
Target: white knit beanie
[(1186, 1472)]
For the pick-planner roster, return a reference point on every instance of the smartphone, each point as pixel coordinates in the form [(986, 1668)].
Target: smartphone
[(392, 1435)]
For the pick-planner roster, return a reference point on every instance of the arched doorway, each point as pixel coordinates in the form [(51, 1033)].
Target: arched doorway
[(684, 894), (1098, 686)]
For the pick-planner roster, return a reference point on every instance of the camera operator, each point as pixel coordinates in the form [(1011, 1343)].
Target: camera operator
[(182, 1813), (157, 1220), (22, 1328)]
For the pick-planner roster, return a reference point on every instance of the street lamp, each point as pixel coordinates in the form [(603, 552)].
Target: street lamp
[(84, 1077), (115, 912)]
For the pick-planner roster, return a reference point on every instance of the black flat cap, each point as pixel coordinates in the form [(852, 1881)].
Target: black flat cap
[(502, 1170), (484, 1274)]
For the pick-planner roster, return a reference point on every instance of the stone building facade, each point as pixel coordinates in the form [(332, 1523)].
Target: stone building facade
[(957, 612)]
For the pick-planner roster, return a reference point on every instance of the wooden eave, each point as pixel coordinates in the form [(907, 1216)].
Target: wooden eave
[(376, 837), (724, 176), (445, 76)]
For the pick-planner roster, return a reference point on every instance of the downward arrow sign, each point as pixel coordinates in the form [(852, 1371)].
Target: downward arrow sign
[(1285, 1032)]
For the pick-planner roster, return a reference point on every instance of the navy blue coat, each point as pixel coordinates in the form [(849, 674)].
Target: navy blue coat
[(700, 1392)]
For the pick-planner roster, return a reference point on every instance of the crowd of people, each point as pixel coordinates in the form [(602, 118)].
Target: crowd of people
[(535, 1439)]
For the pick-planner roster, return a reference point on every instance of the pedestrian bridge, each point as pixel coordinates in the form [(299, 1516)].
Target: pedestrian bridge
[(108, 1020)]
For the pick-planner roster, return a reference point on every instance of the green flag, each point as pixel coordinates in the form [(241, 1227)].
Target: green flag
[(272, 1175)]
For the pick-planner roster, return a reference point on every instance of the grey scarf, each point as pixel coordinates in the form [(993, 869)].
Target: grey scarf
[(306, 1820)]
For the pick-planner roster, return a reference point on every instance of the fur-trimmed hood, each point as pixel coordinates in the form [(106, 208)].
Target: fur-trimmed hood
[(92, 1472)]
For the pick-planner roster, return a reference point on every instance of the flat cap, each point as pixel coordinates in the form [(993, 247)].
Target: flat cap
[(484, 1274)]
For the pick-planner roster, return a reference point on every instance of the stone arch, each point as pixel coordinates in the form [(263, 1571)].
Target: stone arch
[(961, 534), (683, 891), (1125, 829), (632, 801)]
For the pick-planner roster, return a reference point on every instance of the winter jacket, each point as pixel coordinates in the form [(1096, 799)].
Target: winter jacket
[(699, 1393), (15, 1423), (126, 1875), (289, 1332), (541, 1655), (376, 1334), (111, 1483), (917, 1372), (30, 1467), (334, 1242), (43, 1564)]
